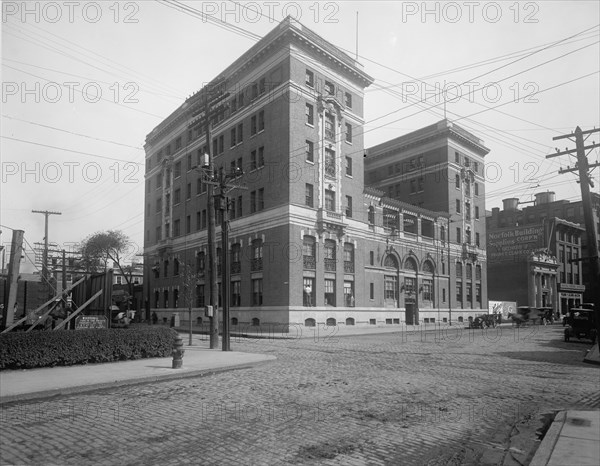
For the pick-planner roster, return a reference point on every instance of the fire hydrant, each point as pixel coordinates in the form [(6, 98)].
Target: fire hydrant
[(177, 352)]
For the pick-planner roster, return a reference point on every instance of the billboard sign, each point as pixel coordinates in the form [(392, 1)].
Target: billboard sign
[(514, 243)]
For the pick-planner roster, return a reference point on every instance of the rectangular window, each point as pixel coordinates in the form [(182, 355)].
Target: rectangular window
[(330, 162), (308, 290), (348, 99), (309, 196), (261, 157), (329, 292), (261, 121), (427, 290), (477, 241), (240, 133), (349, 206), (330, 126), (198, 220), (239, 206), (233, 140), (476, 186), (262, 86), (177, 196), (188, 224), (310, 116), (177, 170), (371, 290), (348, 132), (236, 297), (253, 202), (459, 292), (348, 166), (310, 151), (221, 143), (457, 157), (253, 165), (329, 88), (349, 293), (458, 236), (188, 191), (477, 212), (189, 162), (261, 199), (371, 258), (257, 292), (458, 206), (204, 218), (467, 211), (253, 125), (310, 78), (329, 200), (176, 228)]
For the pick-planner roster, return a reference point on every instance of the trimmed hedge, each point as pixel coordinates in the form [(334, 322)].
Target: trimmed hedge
[(20, 350)]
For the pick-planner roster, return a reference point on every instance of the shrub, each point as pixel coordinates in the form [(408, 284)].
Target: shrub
[(20, 350)]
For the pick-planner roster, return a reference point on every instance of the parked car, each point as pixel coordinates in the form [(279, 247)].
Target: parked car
[(582, 324)]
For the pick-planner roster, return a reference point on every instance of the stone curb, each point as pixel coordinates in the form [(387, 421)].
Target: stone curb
[(544, 451), (45, 394)]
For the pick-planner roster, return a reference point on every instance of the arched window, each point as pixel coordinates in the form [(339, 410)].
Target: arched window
[(176, 298), (309, 323), (410, 264), (176, 267), (390, 262), (166, 298), (428, 267), (349, 321), (457, 180), (331, 322), (255, 322), (234, 321)]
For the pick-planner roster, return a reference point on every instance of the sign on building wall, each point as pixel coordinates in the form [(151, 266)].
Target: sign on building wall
[(502, 307), (511, 244)]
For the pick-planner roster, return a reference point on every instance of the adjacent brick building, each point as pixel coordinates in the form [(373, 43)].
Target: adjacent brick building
[(513, 234), (308, 242)]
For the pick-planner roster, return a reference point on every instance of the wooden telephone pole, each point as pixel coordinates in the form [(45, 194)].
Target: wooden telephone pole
[(585, 181)]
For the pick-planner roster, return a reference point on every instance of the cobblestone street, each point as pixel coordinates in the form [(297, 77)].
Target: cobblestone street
[(437, 398)]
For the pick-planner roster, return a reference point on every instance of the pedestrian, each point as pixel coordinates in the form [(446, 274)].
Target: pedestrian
[(154, 318)]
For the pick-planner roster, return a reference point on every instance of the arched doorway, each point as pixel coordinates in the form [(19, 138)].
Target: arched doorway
[(410, 292), (390, 281)]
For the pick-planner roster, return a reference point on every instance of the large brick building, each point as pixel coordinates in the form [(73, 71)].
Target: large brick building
[(308, 243), (440, 168)]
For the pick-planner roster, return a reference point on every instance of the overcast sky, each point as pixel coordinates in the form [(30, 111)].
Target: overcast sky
[(85, 82)]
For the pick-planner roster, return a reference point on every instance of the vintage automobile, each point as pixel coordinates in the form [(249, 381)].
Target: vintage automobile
[(582, 324), (522, 316)]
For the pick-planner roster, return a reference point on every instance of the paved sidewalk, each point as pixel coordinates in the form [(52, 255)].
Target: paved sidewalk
[(28, 384), (572, 439)]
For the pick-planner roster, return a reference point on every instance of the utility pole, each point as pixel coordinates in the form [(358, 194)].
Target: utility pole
[(585, 181), (45, 279), (208, 171), (14, 264), (224, 187)]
